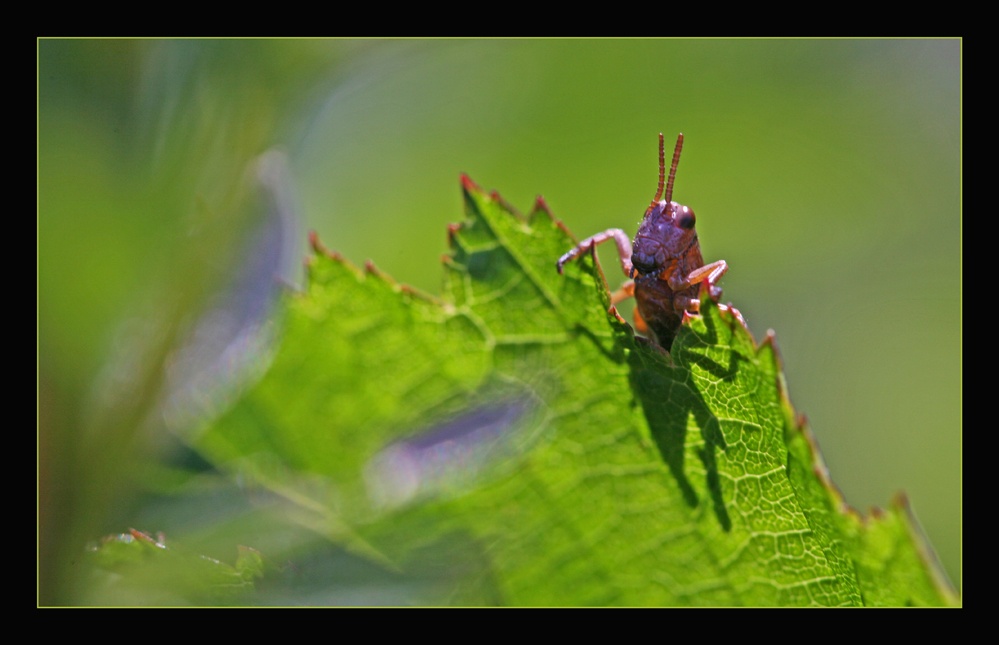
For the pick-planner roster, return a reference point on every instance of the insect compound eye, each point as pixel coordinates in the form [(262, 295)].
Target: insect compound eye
[(685, 218)]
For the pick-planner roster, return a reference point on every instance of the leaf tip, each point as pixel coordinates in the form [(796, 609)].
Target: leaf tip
[(818, 464), (506, 206), (372, 270), (468, 185), (938, 574), (320, 249), (540, 205), (316, 244)]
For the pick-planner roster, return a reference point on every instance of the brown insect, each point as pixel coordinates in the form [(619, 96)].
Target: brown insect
[(664, 263)]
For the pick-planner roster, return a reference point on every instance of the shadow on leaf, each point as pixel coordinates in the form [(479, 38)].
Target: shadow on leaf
[(669, 396)]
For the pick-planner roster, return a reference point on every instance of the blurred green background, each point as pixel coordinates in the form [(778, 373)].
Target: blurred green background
[(826, 172)]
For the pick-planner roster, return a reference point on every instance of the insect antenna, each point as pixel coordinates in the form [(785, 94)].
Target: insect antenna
[(672, 167), (662, 169)]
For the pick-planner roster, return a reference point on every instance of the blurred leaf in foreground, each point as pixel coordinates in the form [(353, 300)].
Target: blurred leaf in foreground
[(136, 568), (513, 443)]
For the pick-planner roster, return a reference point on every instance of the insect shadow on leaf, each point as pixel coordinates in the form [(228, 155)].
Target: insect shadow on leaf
[(669, 396)]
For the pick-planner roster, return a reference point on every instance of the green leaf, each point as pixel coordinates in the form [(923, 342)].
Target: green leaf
[(514, 443), (135, 569)]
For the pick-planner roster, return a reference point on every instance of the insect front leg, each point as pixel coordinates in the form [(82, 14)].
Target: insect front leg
[(616, 234)]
